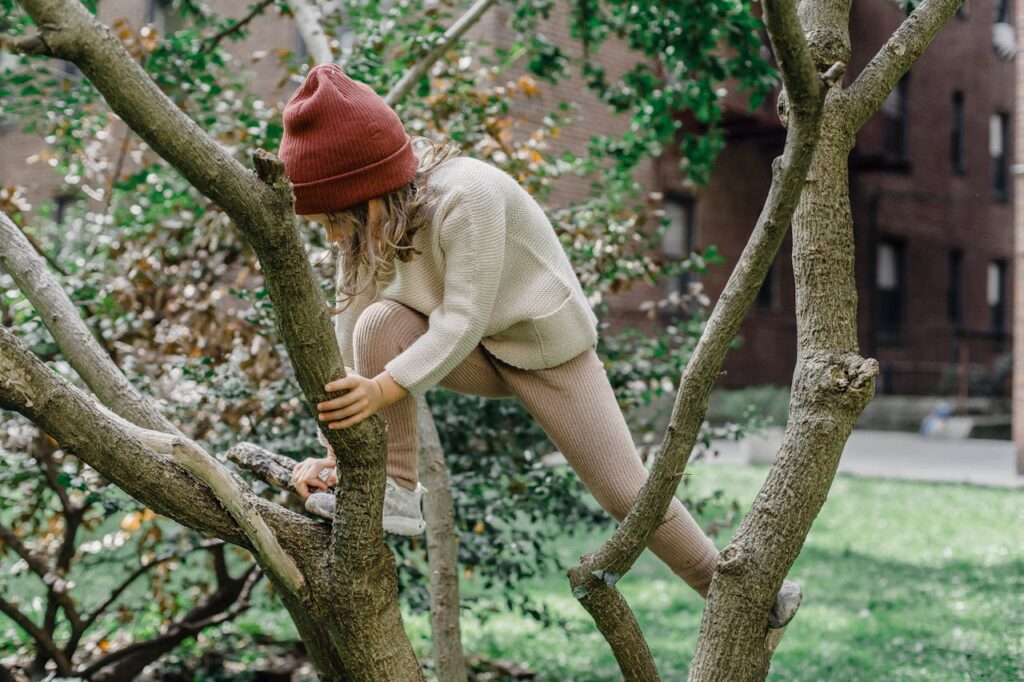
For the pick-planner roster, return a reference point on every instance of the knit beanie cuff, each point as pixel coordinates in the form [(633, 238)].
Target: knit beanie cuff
[(343, 191)]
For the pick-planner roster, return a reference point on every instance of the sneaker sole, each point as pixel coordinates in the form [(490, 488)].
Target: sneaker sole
[(790, 606), (401, 525)]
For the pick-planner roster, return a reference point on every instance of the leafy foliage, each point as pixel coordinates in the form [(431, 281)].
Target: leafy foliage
[(170, 288)]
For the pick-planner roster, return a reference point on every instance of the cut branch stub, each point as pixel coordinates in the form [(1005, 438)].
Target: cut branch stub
[(270, 169), (269, 467)]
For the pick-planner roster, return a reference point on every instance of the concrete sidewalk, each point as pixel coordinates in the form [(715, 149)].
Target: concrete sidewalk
[(895, 454)]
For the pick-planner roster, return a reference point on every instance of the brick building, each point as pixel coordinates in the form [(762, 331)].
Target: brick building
[(1018, 280), (929, 185)]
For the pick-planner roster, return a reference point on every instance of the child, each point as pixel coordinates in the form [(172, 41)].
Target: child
[(476, 294)]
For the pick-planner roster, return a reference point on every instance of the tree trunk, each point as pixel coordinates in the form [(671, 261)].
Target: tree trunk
[(442, 550), (832, 383)]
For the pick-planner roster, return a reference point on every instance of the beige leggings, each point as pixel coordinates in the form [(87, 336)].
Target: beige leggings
[(573, 402)]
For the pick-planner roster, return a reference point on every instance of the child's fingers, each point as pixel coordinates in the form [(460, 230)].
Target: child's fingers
[(340, 401), (346, 412), (342, 383), (345, 423)]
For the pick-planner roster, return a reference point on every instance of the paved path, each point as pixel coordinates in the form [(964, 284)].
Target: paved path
[(892, 454)]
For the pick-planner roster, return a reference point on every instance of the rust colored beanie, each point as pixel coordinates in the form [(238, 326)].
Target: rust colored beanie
[(342, 143)]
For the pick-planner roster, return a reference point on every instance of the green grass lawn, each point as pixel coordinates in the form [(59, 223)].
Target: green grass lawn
[(902, 581)]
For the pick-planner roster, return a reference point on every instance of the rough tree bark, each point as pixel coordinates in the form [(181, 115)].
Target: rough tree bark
[(438, 511), (346, 609), (832, 383), (593, 579)]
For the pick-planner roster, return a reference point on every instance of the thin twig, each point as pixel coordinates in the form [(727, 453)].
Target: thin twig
[(255, 11)]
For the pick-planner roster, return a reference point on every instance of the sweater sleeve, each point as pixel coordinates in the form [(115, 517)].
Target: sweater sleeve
[(471, 235)]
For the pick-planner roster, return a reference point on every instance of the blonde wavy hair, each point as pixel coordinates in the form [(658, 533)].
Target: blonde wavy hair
[(381, 228)]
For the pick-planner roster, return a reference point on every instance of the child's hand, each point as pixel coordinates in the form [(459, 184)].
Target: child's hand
[(307, 473), (364, 397)]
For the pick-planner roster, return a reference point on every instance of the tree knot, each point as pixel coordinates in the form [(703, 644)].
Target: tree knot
[(732, 559)]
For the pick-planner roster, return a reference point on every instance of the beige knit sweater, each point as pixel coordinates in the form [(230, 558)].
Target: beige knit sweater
[(492, 271)]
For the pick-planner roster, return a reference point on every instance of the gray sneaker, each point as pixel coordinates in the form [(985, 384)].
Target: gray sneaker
[(402, 515), (787, 601)]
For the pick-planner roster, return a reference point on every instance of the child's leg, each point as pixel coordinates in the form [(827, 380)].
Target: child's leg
[(575, 405), (384, 329)]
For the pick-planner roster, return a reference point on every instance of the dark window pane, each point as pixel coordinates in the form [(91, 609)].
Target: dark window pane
[(889, 288), (956, 144), (998, 142)]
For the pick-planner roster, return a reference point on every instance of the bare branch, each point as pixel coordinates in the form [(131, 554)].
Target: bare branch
[(866, 94), (86, 431), (226, 604), (799, 75), (99, 371), (593, 579), (54, 582), (65, 324), (139, 572), (237, 26), (269, 467), (43, 640), (24, 45), (229, 489), (450, 37)]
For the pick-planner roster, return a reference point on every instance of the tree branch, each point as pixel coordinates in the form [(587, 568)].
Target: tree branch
[(87, 431), (227, 603), (99, 371), (139, 572), (442, 549), (24, 45), (269, 467), (262, 207), (866, 94), (593, 579), (79, 346), (449, 38), (54, 583), (229, 489), (237, 26), (43, 640), (307, 20)]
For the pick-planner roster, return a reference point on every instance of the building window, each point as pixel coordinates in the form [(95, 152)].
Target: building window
[(677, 244), (956, 145), (894, 113), (163, 15), (1001, 12), (889, 288), (955, 293), (995, 294), (998, 139)]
